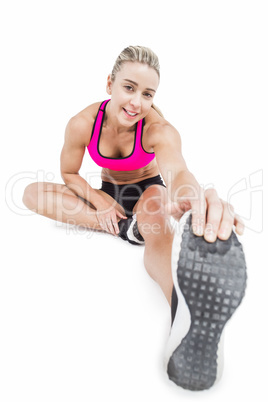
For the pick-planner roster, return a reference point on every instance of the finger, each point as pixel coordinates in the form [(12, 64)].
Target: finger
[(174, 209), (214, 215), (101, 221), (120, 215), (239, 225), (104, 225), (116, 227), (115, 222), (227, 222), (199, 215), (110, 225)]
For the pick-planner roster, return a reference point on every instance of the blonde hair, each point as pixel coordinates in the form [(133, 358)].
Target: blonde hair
[(140, 54)]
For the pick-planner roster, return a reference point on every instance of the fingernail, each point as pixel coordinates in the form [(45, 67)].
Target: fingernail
[(210, 237), (198, 230), (223, 234), (240, 229)]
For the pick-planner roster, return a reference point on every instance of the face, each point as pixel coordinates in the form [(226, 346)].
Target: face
[(132, 92)]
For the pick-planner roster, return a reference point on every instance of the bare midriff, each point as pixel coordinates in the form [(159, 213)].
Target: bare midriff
[(131, 176)]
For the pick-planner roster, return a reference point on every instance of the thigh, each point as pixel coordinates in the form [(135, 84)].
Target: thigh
[(37, 193), (61, 188)]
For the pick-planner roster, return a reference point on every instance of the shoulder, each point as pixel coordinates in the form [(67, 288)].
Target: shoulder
[(79, 127), (159, 131)]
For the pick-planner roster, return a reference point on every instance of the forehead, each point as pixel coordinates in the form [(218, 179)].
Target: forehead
[(140, 73)]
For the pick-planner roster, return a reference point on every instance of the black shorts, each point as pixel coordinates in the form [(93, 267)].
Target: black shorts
[(128, 194)]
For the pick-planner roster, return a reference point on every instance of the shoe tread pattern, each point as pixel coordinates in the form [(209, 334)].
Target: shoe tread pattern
[(212, 278)]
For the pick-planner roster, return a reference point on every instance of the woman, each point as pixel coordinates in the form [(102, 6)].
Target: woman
[(132, 142)]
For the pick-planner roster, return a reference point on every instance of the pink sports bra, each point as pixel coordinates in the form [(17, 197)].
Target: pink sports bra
[(136, 160)]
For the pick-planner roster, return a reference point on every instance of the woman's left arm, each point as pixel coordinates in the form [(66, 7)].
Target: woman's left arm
[(211, 216)]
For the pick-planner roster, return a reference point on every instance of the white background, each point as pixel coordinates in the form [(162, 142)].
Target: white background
[(80, 318)]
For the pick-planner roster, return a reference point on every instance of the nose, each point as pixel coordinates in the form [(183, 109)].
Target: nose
[(135, 101)]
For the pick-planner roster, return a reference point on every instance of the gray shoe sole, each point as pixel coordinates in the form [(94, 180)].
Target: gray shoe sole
[(212, 279)]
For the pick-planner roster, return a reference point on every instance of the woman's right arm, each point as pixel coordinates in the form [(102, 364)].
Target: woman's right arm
[(77, 136)]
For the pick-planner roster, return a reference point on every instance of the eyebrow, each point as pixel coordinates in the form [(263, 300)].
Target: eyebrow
[(135, 83)]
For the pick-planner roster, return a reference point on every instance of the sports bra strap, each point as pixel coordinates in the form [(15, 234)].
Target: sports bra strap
[(103, 105)]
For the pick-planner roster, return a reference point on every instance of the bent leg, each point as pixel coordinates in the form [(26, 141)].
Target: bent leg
[(154, 225), (58, 202)]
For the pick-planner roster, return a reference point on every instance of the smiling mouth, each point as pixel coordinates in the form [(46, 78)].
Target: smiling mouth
[(131, 114)]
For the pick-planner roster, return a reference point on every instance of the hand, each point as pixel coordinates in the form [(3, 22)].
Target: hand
[(211, 216), (107, 217)]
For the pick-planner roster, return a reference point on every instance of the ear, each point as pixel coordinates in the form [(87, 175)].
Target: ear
[(109, 85)]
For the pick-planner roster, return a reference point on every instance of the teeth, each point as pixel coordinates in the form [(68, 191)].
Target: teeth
[(130, 114)]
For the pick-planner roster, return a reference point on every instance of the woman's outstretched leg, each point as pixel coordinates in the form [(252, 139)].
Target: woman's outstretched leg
[(210, 284), (153, 224)]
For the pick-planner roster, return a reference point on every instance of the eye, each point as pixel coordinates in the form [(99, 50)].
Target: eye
[(128, 87), (148, 95)]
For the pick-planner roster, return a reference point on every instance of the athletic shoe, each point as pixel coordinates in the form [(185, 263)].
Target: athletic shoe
[(128, 230), (209, 284)]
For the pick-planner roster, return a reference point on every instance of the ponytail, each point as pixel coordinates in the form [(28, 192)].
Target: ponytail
[(157, 110)]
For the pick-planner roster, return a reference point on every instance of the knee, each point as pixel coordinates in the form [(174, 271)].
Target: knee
[(152, 216), (30, 196), (153, 205)]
